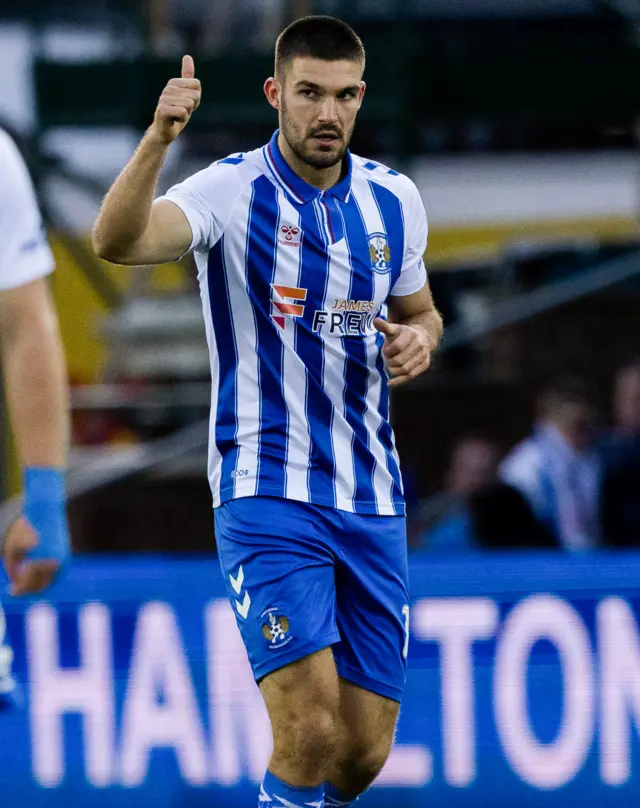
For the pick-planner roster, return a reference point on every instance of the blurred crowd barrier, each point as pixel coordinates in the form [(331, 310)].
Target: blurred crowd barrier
[(134, 688)]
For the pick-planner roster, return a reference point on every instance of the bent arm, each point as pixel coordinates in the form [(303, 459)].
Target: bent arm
[(35, 375), (419, 310), (132, 229)]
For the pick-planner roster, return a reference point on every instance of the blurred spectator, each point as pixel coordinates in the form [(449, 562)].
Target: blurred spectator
[(557, 468), (626, 401), (476, 511), (620, 450), (442, 521), (500, 518), (212, 26), (474, 461)]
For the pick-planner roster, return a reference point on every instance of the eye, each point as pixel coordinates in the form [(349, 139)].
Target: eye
[(308, 93), (347, 95)]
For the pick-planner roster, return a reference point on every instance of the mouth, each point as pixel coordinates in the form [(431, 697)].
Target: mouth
[(326, 138)]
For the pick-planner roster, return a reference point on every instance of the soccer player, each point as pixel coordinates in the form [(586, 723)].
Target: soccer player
[(316, 302), (37, 542)]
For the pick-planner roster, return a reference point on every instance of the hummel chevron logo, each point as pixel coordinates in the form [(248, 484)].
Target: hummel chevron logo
[(236, 583), (243, 608)]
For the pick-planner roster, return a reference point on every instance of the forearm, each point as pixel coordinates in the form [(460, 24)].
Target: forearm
[(126, 210), (37, 390), (430, 322)]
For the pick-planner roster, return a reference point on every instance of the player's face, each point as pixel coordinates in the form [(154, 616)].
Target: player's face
[(319, 101)]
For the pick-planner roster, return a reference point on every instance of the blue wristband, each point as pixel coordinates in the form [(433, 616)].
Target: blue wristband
[(45, 509)]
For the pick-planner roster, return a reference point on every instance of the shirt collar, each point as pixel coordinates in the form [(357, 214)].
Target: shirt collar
[(300, 190)]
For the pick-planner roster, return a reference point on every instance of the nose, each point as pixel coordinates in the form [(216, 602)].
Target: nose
[(328, 111)]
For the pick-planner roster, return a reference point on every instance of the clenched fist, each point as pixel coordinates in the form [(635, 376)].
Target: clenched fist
[(179, 100), (27, 576), (406, 350)]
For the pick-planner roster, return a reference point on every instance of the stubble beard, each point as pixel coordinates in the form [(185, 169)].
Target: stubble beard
[(296, 143)]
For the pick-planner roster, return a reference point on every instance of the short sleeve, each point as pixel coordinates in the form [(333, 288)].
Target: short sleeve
[(25, 255), (207, 200), (413, 274)]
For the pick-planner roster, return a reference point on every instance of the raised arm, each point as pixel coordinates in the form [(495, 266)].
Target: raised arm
[(131, 228)]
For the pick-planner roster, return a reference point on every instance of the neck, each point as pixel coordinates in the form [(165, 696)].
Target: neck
[(566, 436), (321, 178), (558, 430)]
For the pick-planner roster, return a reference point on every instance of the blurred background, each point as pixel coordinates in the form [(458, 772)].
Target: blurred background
[(519, 121), (520, 124)]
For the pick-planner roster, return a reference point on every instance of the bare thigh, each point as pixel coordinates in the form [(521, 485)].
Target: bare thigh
[(302, 701), (365, 731)]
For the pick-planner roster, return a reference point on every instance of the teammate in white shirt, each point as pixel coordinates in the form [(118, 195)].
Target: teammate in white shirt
[(37, 543), (316, 301)]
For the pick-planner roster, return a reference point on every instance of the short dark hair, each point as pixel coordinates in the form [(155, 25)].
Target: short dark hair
[(319, 37), (566, 390)]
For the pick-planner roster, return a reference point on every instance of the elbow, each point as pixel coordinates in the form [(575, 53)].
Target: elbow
[(101, 246), (106, 248)]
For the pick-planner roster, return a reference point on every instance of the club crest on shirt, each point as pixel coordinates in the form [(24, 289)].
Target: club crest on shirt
[(276, 628), (380, 253)]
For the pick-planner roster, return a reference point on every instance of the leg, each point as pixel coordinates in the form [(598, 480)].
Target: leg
[(302, 702), (281, 583), (373, 616), (365, 729)]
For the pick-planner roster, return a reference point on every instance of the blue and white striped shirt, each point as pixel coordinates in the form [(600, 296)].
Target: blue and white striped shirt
[(291, 279)]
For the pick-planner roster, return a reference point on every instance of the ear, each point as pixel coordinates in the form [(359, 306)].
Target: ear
[(272, 89), (363, 88)]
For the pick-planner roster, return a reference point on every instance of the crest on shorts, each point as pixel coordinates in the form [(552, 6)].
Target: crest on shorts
[(379, 253), (275, 629)]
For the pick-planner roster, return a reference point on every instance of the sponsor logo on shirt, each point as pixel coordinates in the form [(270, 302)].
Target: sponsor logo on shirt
[(282, 305), (346, 318)]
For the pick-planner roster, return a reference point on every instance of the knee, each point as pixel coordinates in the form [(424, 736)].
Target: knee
[(302, 700), (362, 762), (316, 732), (308, 732)]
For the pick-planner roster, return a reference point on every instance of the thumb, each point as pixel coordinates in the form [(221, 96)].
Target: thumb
[(188, 67), (385, 327)]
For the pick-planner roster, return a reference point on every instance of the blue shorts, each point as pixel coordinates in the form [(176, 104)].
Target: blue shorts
[(303, 577)]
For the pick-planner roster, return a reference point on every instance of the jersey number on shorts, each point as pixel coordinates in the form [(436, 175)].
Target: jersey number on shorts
[(405, 612)]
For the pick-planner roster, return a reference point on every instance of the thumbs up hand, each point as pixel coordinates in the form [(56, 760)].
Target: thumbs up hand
[(179, 100), (406, 350)]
